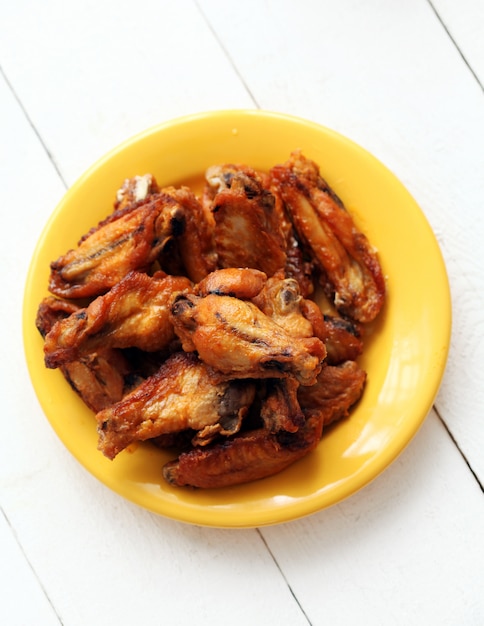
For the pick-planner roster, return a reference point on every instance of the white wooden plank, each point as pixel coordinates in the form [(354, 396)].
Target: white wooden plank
[(464, 21), (91, 74), (103, 560), (408, 549), (387, 75), (23, 600)]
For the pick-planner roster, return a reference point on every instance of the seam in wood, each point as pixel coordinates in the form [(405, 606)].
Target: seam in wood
[(33, 127), (469, 67), (283, 576), (458, 448), (15, 536)]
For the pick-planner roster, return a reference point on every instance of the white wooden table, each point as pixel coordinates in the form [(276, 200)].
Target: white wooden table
[(404, 80)]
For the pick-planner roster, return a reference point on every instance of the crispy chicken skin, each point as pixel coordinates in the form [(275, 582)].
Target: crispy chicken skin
[(280, 409), (280, 299), (341, 338), (243, 283), (134, 313), (246, 457), (183, 394), (196, 244), (52, 310), (300, 317), (247, 231), (127, 240), (101, 378), (299, 267), (352, 275), (236, 338), (337, 389), (298, 264)]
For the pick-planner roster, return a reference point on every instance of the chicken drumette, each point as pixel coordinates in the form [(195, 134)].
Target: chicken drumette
[(236, 338), (337, 389), (100, 378)]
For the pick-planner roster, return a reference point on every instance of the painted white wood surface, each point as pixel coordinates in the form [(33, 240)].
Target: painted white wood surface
[(464, 21), (80, 77)]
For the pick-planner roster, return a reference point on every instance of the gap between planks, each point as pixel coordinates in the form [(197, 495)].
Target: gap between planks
[(33, 127), (27, 560), (283, 576), (227, 55), (463, 57), (442, 421)]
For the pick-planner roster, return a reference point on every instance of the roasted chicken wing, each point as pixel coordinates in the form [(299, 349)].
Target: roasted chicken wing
[(101, 378), (129, 239), (337, 389), (196, 244), (351, 272), (243, 458), (300, 317), (247, 231), (341, 337), (280, 299), (236, 338), (183, 394), (135, 313)]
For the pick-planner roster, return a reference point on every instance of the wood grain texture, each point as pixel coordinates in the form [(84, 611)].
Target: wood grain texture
[(388, 555), (103, 71)]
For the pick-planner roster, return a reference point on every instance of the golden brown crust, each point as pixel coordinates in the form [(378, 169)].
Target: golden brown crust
[(247, 231), (100, 378), (352, 275), (134, 313), (340, 336), (246, 457), (237, 339), (337, 389), (183, 394), (281, 301), (196, 244), (243, 283), (130, 240)]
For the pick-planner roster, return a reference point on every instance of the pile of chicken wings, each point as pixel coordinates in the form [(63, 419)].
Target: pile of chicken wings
[(190, 320)]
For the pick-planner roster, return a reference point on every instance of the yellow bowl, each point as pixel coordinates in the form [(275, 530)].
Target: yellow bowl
[(405, 357)]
